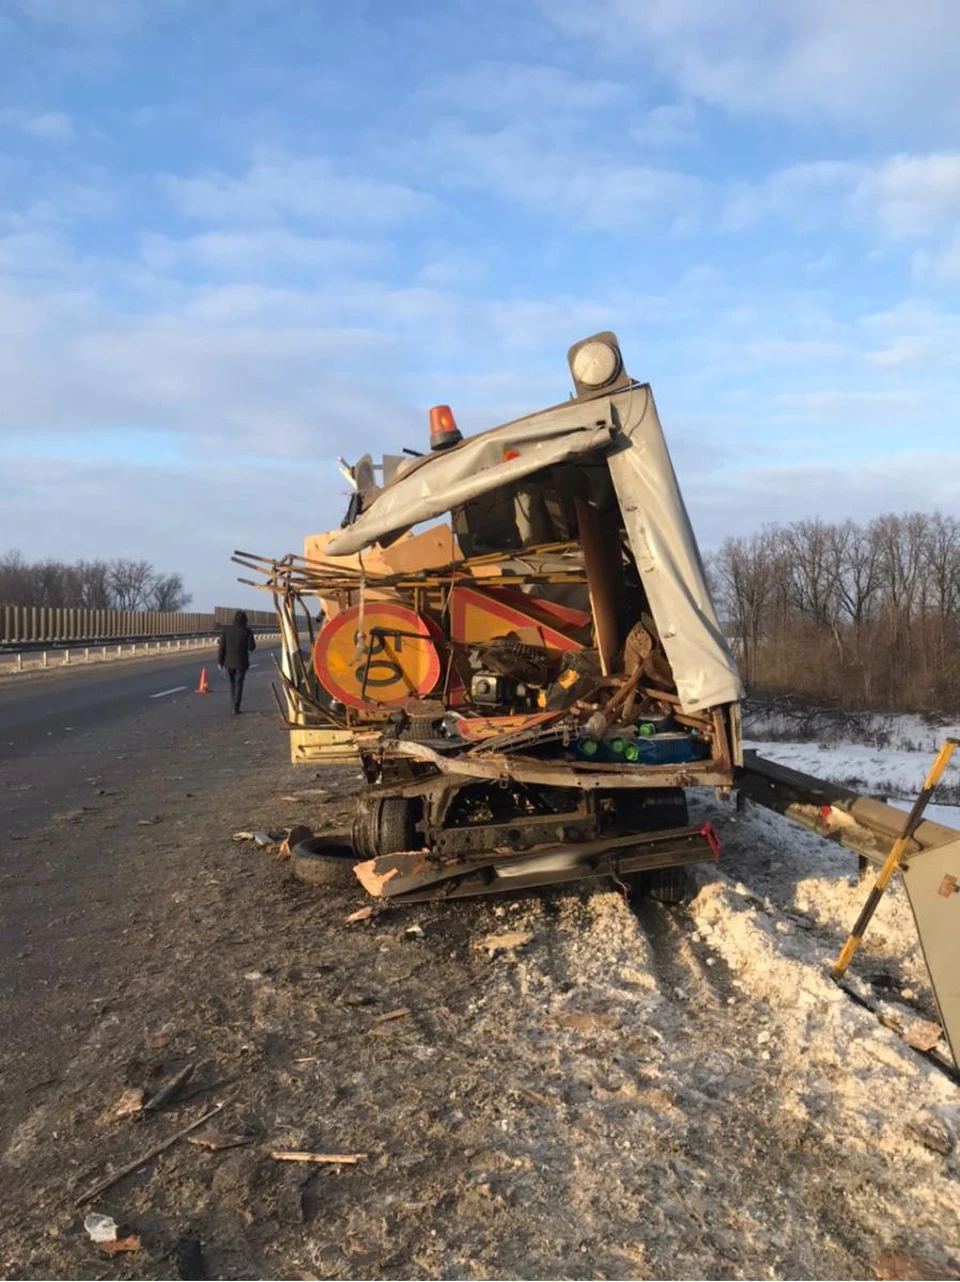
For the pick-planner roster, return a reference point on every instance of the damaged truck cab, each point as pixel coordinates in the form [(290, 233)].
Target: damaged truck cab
[(516, 640)]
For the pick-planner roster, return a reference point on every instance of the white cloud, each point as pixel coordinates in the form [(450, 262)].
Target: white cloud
[(904, 196), (251, 254), (914, 195), (278, 186), (859, 408), (668, 126), (941, 266), (917, 336), (182, 518), (807, 195), (54, 126), (860, 62), (87, 16), (590, 187), (804, 351), (521, 91), (740, 500)]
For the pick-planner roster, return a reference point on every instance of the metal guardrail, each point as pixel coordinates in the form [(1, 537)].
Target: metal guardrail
[(39, 657), (96, 641), (29, 625)]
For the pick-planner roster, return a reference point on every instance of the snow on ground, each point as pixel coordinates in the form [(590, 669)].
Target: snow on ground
[(795, 869), (881, 755), (775, 914), (635, 1092)]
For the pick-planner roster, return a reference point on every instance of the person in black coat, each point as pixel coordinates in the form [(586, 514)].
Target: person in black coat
[(236, 642)]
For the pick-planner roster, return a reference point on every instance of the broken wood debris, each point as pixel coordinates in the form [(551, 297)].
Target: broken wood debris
[(389, 1015), (333, 1159), (506, 942), (167, 1092), (121, 1245), (129, 1103), (296, 834), (362, 914), (110, 1180), (217, 1141)]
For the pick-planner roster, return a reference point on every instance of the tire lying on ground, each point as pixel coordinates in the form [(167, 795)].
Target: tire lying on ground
[(324, 861)]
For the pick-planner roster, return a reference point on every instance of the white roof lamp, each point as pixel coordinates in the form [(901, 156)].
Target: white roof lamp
[(597, 365)]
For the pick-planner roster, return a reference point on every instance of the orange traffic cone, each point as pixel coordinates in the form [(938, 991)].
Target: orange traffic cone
[(203, 687)]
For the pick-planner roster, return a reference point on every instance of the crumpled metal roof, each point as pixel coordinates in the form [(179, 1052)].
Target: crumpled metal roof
[(625, 428)]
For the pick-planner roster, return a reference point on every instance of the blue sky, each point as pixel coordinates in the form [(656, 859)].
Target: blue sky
[(240, 237)]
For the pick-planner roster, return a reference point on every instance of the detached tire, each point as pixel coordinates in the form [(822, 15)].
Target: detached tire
[(668, 885), (324, 861)]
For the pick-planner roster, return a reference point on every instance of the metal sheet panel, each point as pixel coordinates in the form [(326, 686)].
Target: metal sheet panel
[(320, 747), (626, 427), (932, 881), (441, 481)]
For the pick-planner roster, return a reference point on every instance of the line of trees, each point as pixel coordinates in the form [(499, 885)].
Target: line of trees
[(867, 615), (93, 585)]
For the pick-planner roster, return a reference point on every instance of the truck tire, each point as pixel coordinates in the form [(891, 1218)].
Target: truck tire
[(668, 885), (324, 861), (386, 826)]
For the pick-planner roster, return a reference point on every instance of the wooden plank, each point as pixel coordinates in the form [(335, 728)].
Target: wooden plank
[(600, 540)]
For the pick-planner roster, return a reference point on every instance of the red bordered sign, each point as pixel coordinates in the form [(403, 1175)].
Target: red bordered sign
[(383, 657)]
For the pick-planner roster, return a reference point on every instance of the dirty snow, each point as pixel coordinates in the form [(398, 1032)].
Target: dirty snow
[(632, 1092)]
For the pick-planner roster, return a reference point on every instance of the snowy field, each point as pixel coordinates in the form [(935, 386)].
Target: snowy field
[(774, 914), (878, 755)]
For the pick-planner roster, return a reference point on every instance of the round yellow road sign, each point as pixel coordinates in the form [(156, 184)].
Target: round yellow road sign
[(385, 656)]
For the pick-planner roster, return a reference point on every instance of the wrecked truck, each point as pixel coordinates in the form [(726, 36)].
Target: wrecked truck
[(515, 641), (512, 636)]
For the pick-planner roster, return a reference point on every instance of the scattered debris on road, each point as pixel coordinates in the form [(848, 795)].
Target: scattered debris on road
[(122, 1245), (189, 1256), (216, 1141), (296, 834), (100, 1228), (170, 1090), (400, 1013), (340, 1159), (362, 914), (110, 1180), (129, 1104), (505, 943)]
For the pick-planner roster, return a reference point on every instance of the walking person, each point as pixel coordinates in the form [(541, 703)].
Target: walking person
[(236, 642)]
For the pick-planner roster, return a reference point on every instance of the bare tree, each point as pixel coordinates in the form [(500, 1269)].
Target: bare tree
[(131, 583), (868, 615), (91, 585), (168, 594), (94, 585), (745, 571)]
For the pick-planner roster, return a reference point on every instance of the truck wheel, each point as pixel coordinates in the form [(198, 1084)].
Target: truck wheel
[(324, 861), (668, 885), (386, 826)]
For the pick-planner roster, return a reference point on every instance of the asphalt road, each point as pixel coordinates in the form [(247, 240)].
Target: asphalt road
[(107, 775), (36, 709)]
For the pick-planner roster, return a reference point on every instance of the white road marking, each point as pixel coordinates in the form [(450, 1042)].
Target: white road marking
[(160, 694), (254, 665)]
